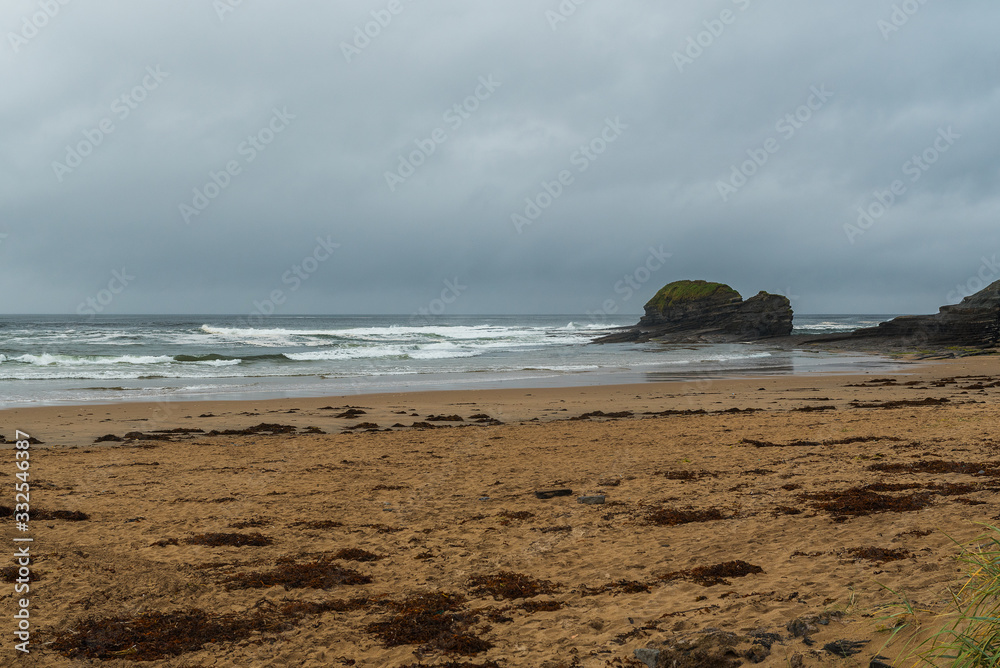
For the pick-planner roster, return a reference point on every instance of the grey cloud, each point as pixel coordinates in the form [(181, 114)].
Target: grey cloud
[(657, 184)]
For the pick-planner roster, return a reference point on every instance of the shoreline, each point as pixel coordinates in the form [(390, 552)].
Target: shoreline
[(754, 478), (74, 423), (779, 358)]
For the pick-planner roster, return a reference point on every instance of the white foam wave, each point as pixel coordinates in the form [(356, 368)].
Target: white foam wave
[(824, 326), (499, 335), (442, 351), (232, 362), (47, 359), (730, 357), (575, 326), (430, 351), (347, 354)]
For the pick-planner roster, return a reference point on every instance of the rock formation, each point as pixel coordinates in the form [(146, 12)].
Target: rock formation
[(693, 311), (974, 322)]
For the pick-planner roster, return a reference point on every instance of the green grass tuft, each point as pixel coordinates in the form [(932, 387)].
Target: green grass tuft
[(678, 292), (967, 633)]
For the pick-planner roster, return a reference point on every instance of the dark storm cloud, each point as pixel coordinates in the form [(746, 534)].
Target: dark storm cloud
[(534, 152)]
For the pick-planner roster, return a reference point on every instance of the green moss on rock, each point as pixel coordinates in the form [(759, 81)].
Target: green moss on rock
[(680, 292)]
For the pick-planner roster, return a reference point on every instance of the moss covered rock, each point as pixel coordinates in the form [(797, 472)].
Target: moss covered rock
[(682, 292), (686, 311)]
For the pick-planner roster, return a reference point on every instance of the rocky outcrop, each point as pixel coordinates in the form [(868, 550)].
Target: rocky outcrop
[(692, 311), (972, 323)]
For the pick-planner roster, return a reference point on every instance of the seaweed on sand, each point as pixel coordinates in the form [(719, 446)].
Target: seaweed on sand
[(707, 576), (262, 428), (436, 621), (850, 440), (319, 524), (936, 466), (617, 587), (355, 554), (157, 635), (904, 403), (601, 414), (509, 585), (39, 514), (255, 539), (669, 517), (12, 573), (684, 475), (856, 502), (541, 606), (879, 555)]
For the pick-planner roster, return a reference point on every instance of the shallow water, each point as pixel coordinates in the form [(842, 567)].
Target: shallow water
[(61, 359)]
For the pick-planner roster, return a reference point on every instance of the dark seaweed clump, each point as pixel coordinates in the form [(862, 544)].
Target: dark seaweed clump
[(601, 414), (936, 466), (262, 428), (905, 403), (540, 606), (11, 574), (618, 587), (139, 436), (436, 621), (355, 554), (454, 664), (669, 517), (856, 502), (362, 425), (879, 555), (707, 576), (319, 524), (255, 539), (484, 419), (943, 489), (39, 514), (509, 585), (684, 475), (850, 440), (156, 635)]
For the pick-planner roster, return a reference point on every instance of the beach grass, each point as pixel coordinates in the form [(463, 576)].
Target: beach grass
[(966, 634)]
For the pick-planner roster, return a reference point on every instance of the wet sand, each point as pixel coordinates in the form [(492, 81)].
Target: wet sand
[(731, 507)]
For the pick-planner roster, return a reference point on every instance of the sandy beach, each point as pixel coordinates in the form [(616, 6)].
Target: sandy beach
[(758, 521)]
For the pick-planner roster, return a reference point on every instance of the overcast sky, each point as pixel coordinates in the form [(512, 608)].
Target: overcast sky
[(120, 119)]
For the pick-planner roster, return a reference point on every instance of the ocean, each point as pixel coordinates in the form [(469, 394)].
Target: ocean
[(51, 360)]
